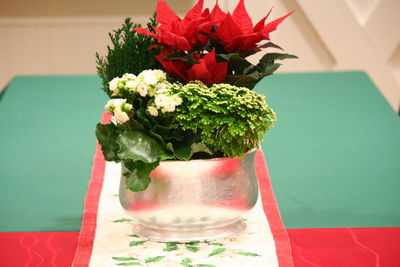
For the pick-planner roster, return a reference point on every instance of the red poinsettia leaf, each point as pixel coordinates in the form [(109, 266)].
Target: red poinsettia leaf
[(217, 14), (270, 27), (209, 58), (164, 14), (244, 42), (218, 72), (260, 25), (146, 32), (194, 13), (174, 67), (242, 18), (228, 30), (206, 13), (174, 40), (200, 72)]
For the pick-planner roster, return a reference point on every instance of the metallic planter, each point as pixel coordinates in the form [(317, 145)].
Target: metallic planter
[(193, 200)]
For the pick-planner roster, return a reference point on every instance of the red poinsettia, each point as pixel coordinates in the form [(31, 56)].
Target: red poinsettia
[(201, 31), (236, 31), (207, 70), (180, 34)]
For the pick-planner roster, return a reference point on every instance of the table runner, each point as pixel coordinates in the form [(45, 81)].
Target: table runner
[(107, 239)]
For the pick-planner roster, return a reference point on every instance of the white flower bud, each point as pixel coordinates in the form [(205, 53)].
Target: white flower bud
[(149, 77), (113, 84), (142, 89), (121, 117), (153, 111), (128, 76), (116, 104), (131, 84), (177, 100)]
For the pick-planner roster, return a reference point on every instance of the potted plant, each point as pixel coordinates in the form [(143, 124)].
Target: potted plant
[(185, 123)]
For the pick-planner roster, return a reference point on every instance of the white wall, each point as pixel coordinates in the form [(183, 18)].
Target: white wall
[(326, 35)]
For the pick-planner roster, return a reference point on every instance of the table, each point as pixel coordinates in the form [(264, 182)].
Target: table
[(333, 158)]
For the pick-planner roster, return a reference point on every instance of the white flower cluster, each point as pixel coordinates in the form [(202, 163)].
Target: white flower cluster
[(119, 108), (166, 102), (148, 82)]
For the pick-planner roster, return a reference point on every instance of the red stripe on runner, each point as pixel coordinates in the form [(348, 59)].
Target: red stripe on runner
[(281, 237), (53, 249), (89, 221)]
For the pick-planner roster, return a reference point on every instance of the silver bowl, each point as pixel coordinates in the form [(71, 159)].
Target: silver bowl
[(193, 200)]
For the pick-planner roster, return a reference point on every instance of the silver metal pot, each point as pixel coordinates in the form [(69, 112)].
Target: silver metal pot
[(193, 200)]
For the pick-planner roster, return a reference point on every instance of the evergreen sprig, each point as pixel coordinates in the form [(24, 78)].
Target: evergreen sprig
[(129, 53)]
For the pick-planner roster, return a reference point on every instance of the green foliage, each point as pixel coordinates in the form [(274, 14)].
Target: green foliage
[(249, 254), (137, 243), (123, 220), (242, 73), (226, 118), (217, 251), (107, 135), (129, 53), (154, 259)]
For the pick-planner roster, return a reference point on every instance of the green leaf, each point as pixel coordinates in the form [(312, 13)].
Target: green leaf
[(217, 251), (183, 152), (193, 243), (125, 259), (247, 254), (186, 260), (133, 235), (135, 145), (130, 264), (192, 248), (107, 135), (269, 58), (170, 246), (154, 259), (200, 147), (270, 44), (138, 176), (206, 265), (248, 81), (137, 243), (236, 62), (122, 220), (216, 244)]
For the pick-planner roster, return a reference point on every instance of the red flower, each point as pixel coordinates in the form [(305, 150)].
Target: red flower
[(180, 34), (236, 31), (208, 70)]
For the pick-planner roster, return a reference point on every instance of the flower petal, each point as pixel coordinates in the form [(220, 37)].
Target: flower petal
[(200, 72), (270, 27), (146, 32), (260, 25), (242, 18), (164, 14), (227, 30), (174, 40), (195, 13), (217, 14)]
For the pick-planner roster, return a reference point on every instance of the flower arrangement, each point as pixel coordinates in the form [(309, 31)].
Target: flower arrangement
[(180, 89)]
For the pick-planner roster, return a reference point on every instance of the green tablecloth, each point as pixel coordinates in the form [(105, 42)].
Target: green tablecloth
[(333, 155), (47, 144)]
